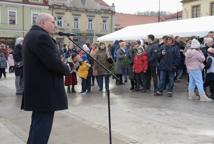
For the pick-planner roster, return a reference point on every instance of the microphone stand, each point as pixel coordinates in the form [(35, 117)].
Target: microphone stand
[(108, 91)]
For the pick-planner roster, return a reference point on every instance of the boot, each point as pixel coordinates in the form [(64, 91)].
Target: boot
[(73, 89), (204, 98), (192, 96), (68, 89), (132, 85)]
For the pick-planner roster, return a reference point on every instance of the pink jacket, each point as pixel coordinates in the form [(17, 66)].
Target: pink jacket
[(10, 60), (194, 59)]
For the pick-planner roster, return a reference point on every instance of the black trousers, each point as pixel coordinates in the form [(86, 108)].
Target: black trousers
[(210, 83), (152, 74), (120, 81), (40, 129), (140, 80), (2, 71)]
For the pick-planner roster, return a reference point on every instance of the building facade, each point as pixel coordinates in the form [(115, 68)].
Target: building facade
[(197, 8), (17, 17), (88, 19)]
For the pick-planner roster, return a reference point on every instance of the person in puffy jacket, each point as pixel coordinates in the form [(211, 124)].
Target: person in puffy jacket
[(169, 56), (140, 67), (194, 63), (210, 71), (18, 59), (3, 64)]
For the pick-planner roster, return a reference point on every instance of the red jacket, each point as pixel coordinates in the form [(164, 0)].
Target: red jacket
[(140, 63)]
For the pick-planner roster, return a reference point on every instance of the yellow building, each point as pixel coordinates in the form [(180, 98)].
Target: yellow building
[(88, 19), (17, 17), (197, 8)]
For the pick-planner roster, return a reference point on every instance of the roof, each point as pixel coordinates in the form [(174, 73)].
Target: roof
[(183, 28), (123, 20), (101, 2), (186, 1), (173, 16), (44, 2)]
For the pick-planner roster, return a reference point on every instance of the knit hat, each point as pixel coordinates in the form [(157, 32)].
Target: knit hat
[(211, 50), (85, 48), (139, 51), (195, 44)]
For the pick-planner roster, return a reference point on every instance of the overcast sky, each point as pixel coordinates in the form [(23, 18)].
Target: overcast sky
[(134, 6)]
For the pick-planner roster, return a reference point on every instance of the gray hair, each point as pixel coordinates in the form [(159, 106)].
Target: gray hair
[(19, 40), (42, 17)]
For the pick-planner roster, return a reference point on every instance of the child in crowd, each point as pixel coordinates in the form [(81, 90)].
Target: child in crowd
[(140, 67), (71, 79), (83, 72)]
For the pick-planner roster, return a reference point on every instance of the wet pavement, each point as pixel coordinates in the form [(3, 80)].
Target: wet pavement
[(137, 118)]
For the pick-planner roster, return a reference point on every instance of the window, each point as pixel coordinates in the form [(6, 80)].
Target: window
[(105, 27), (34, 14), (90, 23), (212, 8), (59, 21), (196, 10), (76, 23), (12, 15)]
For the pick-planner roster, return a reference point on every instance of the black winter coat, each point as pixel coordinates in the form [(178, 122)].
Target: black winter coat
[(43, 73), (18, 59), (152, 52), (169, 61)]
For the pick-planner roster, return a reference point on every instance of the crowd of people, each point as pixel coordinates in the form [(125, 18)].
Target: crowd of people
[(11, 60), (6, 60), (144, 62), (41, 69)]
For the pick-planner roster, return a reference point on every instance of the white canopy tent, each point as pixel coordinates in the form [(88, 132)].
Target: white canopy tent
[(183, 28)]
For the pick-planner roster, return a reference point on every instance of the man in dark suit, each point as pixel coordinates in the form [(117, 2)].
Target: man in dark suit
[(44, 91)]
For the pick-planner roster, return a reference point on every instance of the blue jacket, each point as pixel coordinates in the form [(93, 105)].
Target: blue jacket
[(114, 49), (3, 61), (169, 61)]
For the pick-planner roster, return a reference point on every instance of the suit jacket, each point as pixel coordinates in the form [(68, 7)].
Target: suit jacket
[(43, 73)]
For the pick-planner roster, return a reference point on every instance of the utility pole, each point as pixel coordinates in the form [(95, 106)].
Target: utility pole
[(159, 11), (177, 9)]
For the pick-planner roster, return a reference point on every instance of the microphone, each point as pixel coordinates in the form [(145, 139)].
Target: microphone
[(66, 34)]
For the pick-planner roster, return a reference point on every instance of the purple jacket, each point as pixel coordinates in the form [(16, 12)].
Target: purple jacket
[(194, 59)]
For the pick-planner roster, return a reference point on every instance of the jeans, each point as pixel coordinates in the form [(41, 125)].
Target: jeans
[(126, 74), (163, 76), (19, 83), (196, 80), (88, 84), (100, 82), (40, 129)]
